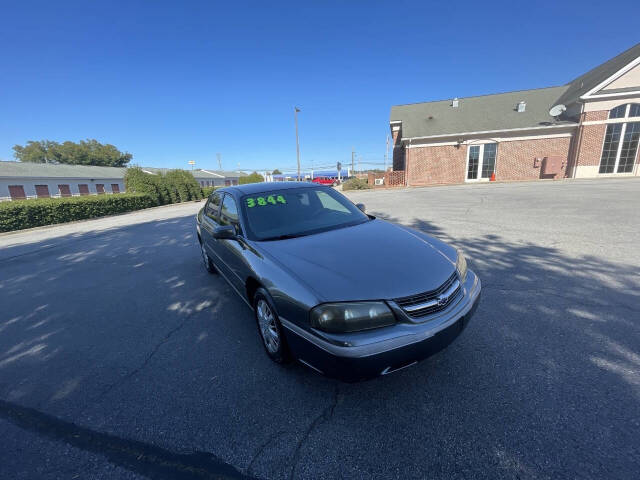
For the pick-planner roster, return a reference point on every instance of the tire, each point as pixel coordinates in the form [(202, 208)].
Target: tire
[(269, 328), (208, 264)]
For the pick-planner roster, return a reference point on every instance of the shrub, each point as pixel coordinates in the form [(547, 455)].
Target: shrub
[(136, 181), (174, 186), (356, 184), (185, 184), (21, 214), (255, 177), (206, 191)]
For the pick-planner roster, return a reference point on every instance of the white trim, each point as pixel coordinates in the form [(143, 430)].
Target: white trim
[(607, 95), (491, 131), (491, 140), (434, 144), (611, 120), (613, 77), (395, 121)]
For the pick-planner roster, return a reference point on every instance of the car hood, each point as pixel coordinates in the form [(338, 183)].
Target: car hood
[(370, 261)]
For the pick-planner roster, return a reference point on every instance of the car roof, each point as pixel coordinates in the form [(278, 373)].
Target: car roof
[(252, 188)]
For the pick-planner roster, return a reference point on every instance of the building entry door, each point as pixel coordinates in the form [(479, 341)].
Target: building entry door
[(481, 161)]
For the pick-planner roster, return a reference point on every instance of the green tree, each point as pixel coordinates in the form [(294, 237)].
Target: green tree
[(35, 151), (85, 152), (276, 172), (254, 177)]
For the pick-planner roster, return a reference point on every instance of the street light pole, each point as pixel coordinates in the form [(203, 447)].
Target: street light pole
[(295, 113)]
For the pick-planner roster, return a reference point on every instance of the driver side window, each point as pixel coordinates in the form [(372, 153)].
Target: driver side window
[(229, 213), (212, 210)]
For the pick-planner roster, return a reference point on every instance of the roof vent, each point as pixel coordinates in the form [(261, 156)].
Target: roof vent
[(454, 102), (521, 106)]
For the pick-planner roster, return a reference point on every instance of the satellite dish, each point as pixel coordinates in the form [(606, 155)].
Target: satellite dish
[(557, 110)]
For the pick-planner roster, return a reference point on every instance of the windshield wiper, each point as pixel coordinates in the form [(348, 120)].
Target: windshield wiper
[(285, 236)]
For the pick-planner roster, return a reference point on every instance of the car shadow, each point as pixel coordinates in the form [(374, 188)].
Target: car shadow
[(124, 332)]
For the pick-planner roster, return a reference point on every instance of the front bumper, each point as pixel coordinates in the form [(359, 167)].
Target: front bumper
[(396, 348)]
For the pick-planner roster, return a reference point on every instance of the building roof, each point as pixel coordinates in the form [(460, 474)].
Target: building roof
[(200, 173), (49, 170), (581, 85), (484, 113)]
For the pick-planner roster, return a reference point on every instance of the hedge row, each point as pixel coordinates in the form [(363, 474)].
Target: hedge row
[(206, 191), (21, 214), (172, 187)]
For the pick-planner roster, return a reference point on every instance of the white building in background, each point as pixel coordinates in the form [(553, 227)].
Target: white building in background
[(206, 177), (20, 180)]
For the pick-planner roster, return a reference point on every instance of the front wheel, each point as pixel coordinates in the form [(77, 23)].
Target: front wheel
[(208, 265), (270, 328)]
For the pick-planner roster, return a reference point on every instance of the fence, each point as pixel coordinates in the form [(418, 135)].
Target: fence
[(386, 179)]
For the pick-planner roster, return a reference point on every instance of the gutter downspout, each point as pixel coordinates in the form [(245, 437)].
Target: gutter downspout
[(578, 145), (406, 164)]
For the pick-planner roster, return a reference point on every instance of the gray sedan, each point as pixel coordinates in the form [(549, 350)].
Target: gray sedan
[(346, 294)]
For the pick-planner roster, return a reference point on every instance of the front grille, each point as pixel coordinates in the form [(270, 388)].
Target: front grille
[(434, 301)]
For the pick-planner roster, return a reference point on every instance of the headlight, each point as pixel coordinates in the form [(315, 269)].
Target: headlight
[(351, 317), (461, 266)]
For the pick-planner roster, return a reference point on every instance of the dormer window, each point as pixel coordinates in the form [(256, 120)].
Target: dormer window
[(522, 105)]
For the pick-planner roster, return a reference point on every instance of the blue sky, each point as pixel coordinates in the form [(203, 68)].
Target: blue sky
[(177, 81)]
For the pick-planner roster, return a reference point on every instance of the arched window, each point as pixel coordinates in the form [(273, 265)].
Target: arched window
[(621, 140), (625, 111)]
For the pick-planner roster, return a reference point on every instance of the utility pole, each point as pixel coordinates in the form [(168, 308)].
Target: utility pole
[(353, 154), (295, 114), (219, 161)]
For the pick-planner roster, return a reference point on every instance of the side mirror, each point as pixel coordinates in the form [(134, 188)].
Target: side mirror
[(224, 232), (361, 207)]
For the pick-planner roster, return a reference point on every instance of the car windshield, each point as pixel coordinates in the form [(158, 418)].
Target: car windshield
[(296, 212)]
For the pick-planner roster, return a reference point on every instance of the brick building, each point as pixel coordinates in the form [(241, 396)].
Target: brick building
[(589, 127)]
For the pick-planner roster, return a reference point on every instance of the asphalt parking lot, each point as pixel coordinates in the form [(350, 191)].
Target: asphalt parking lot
[(120, 357)]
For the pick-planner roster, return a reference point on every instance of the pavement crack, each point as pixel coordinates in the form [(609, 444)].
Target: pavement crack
[(324, 416), (146, 361), (139, 457), (261, 449)]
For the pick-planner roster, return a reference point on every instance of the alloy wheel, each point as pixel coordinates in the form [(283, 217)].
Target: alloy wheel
[(268, 326), (205, 257)]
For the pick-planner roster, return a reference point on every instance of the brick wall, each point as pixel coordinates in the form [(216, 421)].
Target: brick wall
[(591, 139), (436, 165), (590, 147), (398, 151), (516, 160), (596, 115)]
